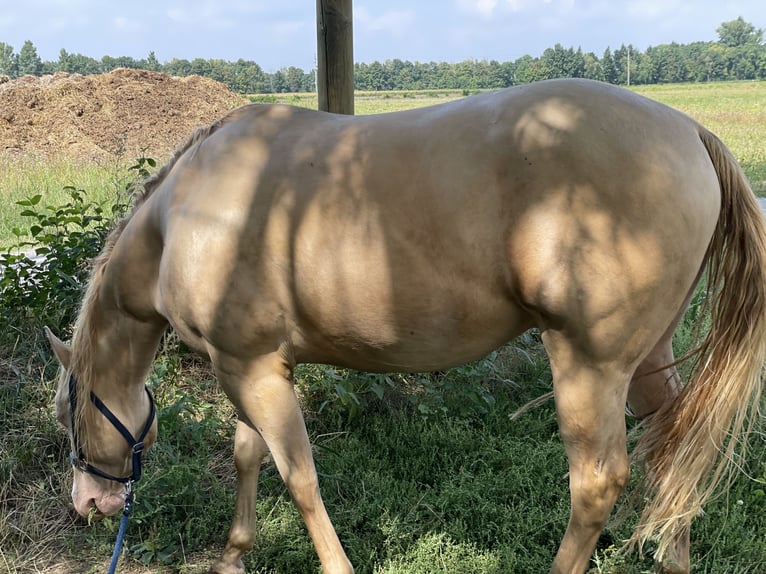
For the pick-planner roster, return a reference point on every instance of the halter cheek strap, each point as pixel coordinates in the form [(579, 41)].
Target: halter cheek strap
[(77, 457)]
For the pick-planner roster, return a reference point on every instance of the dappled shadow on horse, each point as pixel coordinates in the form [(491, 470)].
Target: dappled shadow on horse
[(421, 240)]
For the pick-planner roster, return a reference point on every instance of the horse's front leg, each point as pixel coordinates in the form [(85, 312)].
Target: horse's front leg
[(249, 451), (264, 395)]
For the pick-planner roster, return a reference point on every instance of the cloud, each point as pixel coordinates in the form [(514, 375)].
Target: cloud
[(286, 30), (395, 23), (490, 8), (651, 9), (123, 23), (210, 13), (482, 7)]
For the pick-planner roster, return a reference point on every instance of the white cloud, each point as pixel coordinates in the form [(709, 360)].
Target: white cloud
[(123, 23), (489, 8), (286, 30), (483, 7), (651, 9), (396, 23), (203, 14)]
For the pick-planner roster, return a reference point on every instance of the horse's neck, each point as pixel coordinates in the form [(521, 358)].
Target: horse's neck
[(122, 349)]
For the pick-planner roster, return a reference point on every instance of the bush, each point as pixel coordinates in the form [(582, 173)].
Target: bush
[(42, 278)]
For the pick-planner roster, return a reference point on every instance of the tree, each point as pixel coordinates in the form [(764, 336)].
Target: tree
[(8, 60), (152, 63), (248, 77), (29, 61), (593, 68), (739, 33), (529, 69), (564, 62), (178, 67), (608, 67), (77, 64), (108, 63)]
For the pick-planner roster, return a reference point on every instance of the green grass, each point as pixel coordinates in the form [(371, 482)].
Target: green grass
[(366, 103), (25, 176), (409, 493)]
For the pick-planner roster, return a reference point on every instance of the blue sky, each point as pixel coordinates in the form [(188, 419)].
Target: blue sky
[(280, 33)]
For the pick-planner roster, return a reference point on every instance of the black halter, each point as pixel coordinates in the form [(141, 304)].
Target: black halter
[(77, 457)]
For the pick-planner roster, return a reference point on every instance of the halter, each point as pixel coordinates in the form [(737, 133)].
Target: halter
[(77, 457)]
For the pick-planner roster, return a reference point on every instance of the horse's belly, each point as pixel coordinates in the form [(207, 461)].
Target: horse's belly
[(433, 331)]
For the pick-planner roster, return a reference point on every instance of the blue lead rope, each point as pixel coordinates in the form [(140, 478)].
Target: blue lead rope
[(119, 543)]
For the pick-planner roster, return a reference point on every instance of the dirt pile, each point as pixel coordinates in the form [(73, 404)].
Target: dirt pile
[(123, 113)]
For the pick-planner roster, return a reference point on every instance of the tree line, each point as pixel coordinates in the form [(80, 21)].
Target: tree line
[(738, 54)]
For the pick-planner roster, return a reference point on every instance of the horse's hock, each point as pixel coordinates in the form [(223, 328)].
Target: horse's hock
[(124, 113)]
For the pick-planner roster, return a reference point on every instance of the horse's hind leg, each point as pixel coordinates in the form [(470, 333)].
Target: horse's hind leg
[(656, 379), (655, 382), (249, 451), (590, 404), (265, 398)]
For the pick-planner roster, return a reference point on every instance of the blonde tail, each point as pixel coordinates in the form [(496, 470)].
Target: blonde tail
[(694, 444)]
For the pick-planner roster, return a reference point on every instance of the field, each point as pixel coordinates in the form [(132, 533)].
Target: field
[(421, 474)]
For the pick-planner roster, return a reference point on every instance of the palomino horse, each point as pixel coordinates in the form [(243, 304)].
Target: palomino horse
[(423, 239)]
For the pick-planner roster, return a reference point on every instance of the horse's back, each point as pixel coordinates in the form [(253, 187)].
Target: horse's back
[(425, 238)]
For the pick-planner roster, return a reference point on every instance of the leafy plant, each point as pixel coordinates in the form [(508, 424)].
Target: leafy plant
[(43, 274)]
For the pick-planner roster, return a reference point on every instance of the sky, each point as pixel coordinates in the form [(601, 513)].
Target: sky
[(282, 33)]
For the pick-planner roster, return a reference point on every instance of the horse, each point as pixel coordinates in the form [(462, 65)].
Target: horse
[(420, 240)]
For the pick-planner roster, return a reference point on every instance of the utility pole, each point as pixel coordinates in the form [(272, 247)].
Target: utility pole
[(335, 56), (628, 65)]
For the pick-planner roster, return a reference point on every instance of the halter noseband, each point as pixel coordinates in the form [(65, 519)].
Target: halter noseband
[(77, 457)]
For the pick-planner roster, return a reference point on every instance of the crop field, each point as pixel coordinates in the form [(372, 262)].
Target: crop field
[(421, 474)]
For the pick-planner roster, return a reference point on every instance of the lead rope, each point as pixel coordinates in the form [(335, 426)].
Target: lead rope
[(120, 542)]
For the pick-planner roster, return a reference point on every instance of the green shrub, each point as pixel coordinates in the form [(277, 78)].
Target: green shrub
[(43, 278)]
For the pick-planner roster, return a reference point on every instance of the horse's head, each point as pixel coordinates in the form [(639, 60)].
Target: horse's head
[(107, 441)]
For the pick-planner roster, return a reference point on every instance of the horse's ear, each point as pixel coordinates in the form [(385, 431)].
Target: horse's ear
[(62, 351)]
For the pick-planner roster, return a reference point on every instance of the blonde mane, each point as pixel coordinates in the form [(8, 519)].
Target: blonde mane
[(82, 344)]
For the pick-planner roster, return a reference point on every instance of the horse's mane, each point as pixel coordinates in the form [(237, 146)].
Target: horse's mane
[(84, 329)]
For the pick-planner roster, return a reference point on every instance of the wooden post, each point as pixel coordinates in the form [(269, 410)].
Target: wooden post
[(335, 56)]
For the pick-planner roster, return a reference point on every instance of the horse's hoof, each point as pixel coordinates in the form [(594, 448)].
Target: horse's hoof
[(222, 567), (670, 567)]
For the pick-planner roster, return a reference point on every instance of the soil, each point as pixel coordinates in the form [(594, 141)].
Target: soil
[(125, 113)]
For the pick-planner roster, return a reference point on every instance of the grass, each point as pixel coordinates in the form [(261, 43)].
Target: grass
[(366, 103), (410, 493), (432, 478), (24, 176)]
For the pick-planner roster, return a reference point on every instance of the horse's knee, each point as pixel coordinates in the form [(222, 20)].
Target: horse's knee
[(249, 448), (304, 490)]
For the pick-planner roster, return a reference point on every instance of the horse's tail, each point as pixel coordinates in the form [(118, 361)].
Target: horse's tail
[(695, 442)]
